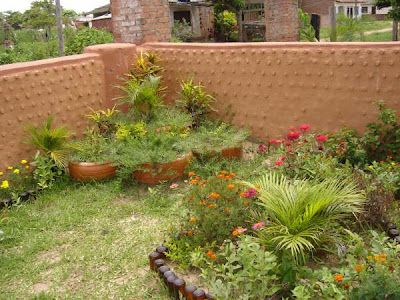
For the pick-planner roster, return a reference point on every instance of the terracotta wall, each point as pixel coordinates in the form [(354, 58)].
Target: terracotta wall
[(62, 87), (268, 86), (272, 86)]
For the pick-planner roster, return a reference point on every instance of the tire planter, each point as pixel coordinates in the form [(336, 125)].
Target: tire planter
[(86, 172), (227, 153), (155, 173)]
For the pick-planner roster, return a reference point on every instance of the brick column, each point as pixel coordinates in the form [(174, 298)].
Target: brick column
[(139, 21), (282, 21)]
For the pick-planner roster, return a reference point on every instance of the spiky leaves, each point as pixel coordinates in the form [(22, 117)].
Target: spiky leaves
[(52, 141), (301, 212)]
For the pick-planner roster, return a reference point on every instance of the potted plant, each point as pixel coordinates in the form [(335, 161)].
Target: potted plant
[(93, 160), (161, 151), (218, 138)]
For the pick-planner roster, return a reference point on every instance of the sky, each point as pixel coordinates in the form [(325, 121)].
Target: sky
[(77, 5)]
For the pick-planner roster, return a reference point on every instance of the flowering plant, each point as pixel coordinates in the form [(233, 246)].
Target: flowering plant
[(217, 207), (16, 179)]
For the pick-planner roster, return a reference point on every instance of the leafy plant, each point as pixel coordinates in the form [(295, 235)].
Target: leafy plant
[(142, 97), (302, 212), (15, 180), (182, 31), (51, 141), (146, 64), (195, 100), (226, 25), (103, 119), (242, 271), (218, 208), (307, 32), (46, 170), (87, 37)]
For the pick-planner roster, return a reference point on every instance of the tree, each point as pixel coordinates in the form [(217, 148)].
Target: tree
[(230, 5), (14, 18), (41, 15), (394, 13)]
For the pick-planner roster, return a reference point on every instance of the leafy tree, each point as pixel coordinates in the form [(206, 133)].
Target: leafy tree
[(87, 37), (41, 15), (230, 5), (69, 13), (14, 18), (394, 13)]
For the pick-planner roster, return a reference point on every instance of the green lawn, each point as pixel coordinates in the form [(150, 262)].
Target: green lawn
[(85, 242), (379, 37)]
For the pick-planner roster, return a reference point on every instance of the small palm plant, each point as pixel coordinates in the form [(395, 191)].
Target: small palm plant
[(143, 96), (302, 212), (52, 141)]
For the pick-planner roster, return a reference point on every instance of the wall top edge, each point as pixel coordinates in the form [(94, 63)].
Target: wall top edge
[(47, 63), (120, 46), (287, 45)]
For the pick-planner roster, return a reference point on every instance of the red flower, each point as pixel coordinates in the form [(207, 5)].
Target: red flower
[(272, 142), (292, 128), (293, 135), (262, 148), (283, 158), (322, 138), (279, 141), (290, 151), (278, 163), (287, 144), (304, 127)]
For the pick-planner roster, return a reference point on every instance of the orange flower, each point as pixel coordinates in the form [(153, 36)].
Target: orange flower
[(383, 259), (214, 196), (190, 232), (228, 177), (227, 209), (191, 174), (223, 172), (211, 206), (202, 202), (232, 174), (338, 277), (221, 176), (192, 220), (198, 178), (213, 256), (257, 187), (369, 257), (377, 258), (194, 181), (203, 182), (230, 186), (358, 268), (246, 203), (242, 195), (235, 232)]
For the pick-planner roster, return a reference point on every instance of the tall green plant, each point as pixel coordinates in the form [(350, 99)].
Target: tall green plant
[(51, 141), (301, 212), (195, 100), (142, 96)]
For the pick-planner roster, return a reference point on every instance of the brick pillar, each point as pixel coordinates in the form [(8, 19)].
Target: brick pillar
[(282, 21), (139, 21)]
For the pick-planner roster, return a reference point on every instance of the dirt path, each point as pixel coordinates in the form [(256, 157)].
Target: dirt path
[(378, 31)]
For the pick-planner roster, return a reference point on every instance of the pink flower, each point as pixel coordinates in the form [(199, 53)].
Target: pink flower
[(272, 142), (262, 148), (290, 151), (250, 193), (292, 128), (322, 138), (173, 186), (293, 135), (241, 230), (304, 127), (279, 141), (258, 225), (287, 144), (278, 163), (283, 158)]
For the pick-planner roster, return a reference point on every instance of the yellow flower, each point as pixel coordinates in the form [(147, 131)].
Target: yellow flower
[(1, 173), (371, 167), (16, 171), (4, 184), (393, 163), (10, 168), (23, 161), (27, 167)]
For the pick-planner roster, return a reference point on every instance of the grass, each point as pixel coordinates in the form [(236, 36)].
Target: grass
[(367, 25), (380, 37), (85, 241)]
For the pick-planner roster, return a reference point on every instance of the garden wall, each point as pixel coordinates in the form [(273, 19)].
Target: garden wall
[(62, 87), (272, 86), (267, 86)]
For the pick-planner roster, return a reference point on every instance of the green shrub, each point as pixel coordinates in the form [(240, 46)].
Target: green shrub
[(182, 31), (226, 25), (87, 37)]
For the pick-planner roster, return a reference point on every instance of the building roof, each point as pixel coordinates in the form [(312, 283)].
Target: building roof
[(352, 1), (102, 10)]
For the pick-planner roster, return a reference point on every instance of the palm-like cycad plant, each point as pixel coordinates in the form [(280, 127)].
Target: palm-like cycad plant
[(52, 141), (301, 212)]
